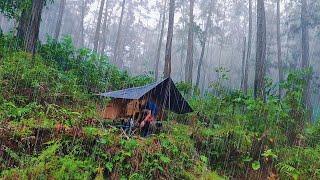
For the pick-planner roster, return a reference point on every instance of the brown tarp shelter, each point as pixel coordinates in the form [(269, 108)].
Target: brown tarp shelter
[(164, 92)]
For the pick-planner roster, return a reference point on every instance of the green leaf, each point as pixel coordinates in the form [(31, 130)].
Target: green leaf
[(247, 159), (270, 154), (165, 159), (204, 159), (255, 165), (109, 166)]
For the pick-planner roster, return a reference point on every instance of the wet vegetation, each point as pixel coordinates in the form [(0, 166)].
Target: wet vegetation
[(50, 125), (248, 123)]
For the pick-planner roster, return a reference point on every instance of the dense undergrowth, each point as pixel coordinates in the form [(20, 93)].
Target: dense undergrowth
[(50, 127)]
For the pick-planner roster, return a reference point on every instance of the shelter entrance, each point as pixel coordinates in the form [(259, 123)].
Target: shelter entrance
[(144, 106)]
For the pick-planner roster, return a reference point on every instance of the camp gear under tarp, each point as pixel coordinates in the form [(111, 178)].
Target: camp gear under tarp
[(165, 93)]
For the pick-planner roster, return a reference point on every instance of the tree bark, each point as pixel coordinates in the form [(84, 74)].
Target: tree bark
[(189, 61), (202, 90), (280, 68), (260, 69), (182, 48), (163, 19), (23, 24), (246, 71), (203, 45), (243, 63), (182, 55), (167, 66), (105, 29), (97, 33), (83, 12), (32, 31), (305, 57), (116, 53), (220, 53), (59, 20), (1, 19)]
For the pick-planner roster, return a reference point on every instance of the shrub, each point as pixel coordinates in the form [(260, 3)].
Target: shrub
[(299, 163), (25, 79)]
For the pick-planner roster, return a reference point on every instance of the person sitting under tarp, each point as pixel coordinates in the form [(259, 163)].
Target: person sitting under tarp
[(152, 106), (145, 124), (151, 111)]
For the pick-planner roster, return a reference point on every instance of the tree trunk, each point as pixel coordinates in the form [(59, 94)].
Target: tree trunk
[(305, 57), (116, 53), (83, 12), (202, 90), (182, 51), (280, 68), (243, 63), (246, 71), (167, 66), (104, 29), (23, 24), (220, 53), (203, 45), (97, 33), (59, 20), (260, 69), (182, 54), (163, 16), (1, 19), (189, 61), (32, 31)]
